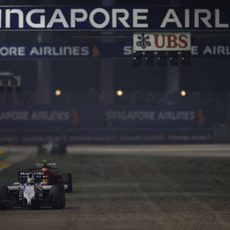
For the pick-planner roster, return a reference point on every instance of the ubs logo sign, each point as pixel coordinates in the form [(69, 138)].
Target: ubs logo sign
[(162, 42), (143, 41)]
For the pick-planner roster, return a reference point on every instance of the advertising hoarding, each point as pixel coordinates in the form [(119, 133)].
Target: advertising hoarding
[(161, 41), (65, 18)]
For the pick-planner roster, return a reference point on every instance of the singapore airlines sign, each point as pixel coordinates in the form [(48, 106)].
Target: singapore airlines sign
[(113, 18)]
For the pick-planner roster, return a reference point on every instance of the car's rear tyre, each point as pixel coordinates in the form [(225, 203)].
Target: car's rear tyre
[(67, 179), (58, 196), (4, 192)]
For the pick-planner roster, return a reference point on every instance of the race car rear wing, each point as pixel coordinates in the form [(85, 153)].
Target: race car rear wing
[(23, 175), (49, 165)]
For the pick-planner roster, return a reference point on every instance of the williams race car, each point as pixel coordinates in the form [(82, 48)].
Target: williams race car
[(52, 176), (32, 194)]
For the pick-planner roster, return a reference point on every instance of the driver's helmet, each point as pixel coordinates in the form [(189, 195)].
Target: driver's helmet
[(30, 178)]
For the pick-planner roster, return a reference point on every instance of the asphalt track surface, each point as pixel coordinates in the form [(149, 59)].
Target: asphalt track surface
[(134, 188)]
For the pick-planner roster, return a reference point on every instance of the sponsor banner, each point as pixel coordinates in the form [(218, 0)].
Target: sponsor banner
[(141, 136), (103, 117), (211, 50), (95, 51), (161, 41), (111, 136), (54, 51), (65, 18), (151, 117), (34, 118), (105, 124)]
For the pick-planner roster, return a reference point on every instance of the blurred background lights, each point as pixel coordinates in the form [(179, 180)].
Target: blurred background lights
[(183, 93), (58, 92), (120, 93)]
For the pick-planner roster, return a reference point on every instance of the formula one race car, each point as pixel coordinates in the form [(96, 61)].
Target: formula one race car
[(59, 148), (32, 194), (52, 176)]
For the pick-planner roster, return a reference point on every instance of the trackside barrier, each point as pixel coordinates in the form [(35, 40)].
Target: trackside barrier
[(106, 124), (109, 136)]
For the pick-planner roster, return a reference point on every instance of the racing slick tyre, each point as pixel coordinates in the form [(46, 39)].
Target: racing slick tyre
[(58, 196), (67, 179), (3, 196)]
